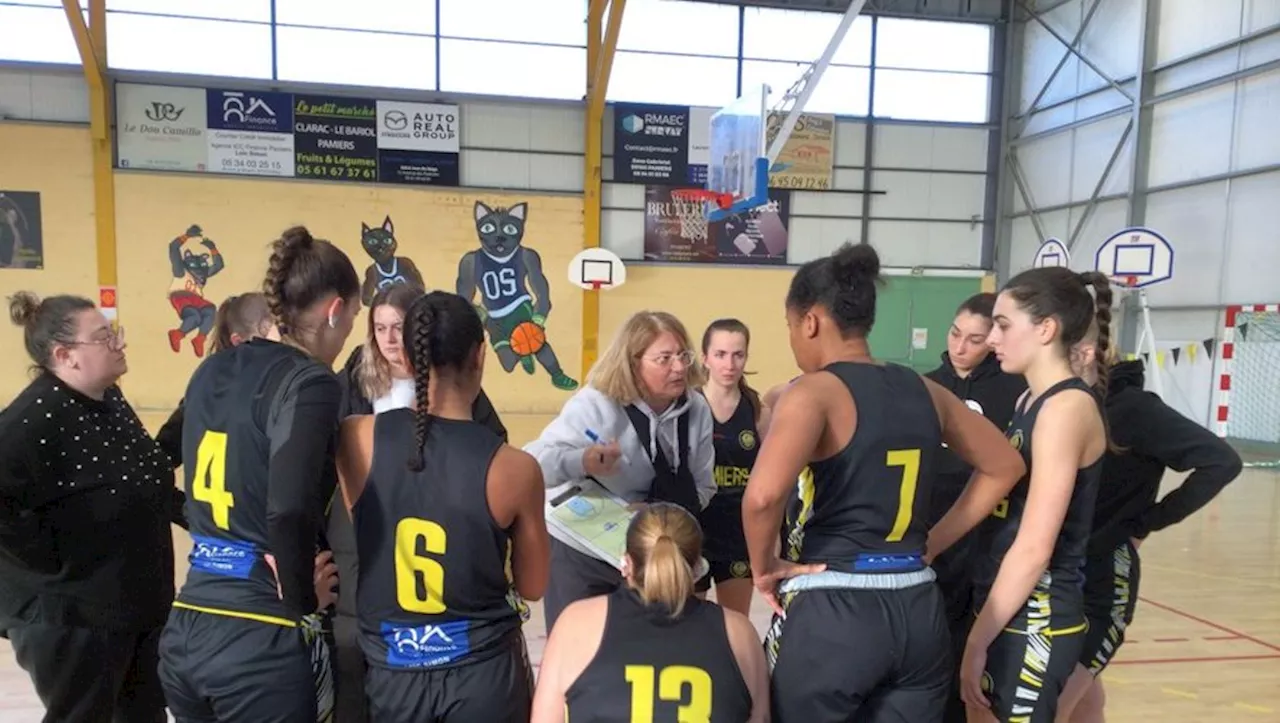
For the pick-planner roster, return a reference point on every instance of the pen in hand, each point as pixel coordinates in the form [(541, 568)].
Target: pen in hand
[(601, 457)]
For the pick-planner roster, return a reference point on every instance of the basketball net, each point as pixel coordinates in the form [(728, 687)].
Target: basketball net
[(693, 219)]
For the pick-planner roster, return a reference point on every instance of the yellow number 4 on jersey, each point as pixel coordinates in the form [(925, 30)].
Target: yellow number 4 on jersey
[(209, 485)]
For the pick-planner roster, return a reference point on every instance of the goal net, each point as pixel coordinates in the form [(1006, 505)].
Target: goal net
[(1249, 386)]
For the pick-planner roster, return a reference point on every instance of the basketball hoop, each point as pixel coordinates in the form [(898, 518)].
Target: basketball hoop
[(1128, 283), (595, 285), (696, 195)]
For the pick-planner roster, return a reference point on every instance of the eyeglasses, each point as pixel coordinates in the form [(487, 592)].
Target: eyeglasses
[(666, 360), (114, 340)]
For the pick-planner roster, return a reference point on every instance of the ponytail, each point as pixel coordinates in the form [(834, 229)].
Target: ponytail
[(668, 579), (663, 542), (442, 332), (1102, 302), (421, 351)]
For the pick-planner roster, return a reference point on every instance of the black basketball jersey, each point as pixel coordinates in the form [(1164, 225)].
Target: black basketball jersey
[(869, 501), (653, 668), (1059, 592), (433, 584), (226, 453), (737, 442)]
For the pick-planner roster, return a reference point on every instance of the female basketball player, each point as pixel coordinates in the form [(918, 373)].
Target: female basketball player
[(740, 420), (376, 378), (441, 638), (86, 498), (258, 445), (1029, 630), (650, 650), (868, 433), (240, 317), (635, 429), (1150, 437)]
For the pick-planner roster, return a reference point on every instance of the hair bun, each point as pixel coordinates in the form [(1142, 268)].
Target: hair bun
[(856, 261), (297, 238), (23, 307)]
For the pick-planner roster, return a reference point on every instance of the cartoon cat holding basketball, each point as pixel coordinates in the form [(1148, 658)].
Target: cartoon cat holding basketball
[(504, 271), (387, 269)]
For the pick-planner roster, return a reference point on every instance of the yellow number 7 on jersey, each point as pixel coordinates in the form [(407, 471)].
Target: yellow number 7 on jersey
[(209, 484), (909, 461)]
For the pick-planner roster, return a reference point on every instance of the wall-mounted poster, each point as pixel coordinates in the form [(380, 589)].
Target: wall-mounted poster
[(677, 230), (418, 143), (651, 144), (161, 128), (335, 139), (21, 230), (806, 161), (250, 133)]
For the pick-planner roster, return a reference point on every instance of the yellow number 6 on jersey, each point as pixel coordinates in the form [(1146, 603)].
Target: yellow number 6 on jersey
[(209, 484), (412, 568)]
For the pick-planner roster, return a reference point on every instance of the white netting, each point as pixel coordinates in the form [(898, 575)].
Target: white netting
[(693, 218), (1254, 409)]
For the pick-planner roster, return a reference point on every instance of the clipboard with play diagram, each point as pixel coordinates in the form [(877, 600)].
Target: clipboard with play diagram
[(594, 517)]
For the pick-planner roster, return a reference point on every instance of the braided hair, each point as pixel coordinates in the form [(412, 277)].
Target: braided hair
[(302, 270), (442, 332)]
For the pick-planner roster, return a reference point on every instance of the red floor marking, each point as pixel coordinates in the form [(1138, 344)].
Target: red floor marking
[(1171, 640), (1222, 659), (1210, 623), (1221, 637)]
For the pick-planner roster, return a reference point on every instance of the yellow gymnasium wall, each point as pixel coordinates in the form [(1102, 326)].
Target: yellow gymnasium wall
[(432, 229), (55, 162), (698, 295)]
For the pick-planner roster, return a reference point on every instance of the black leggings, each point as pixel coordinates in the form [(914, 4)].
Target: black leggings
[(92, 675), (575, 576)]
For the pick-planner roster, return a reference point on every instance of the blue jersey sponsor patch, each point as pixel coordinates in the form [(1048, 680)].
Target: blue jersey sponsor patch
[(228, 558), (886, 562), (426, 646)]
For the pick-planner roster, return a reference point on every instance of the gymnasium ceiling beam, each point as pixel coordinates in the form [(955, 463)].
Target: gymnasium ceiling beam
[(970, 10), (91, 40), (602, 43)]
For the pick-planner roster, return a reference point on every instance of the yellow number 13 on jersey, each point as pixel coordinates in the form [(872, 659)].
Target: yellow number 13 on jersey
[(672, 683), (209, 484), (909, 461)]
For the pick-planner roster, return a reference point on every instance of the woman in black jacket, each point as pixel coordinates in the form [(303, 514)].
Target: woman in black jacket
[(86, 501), (368, 381), (1148, 437)]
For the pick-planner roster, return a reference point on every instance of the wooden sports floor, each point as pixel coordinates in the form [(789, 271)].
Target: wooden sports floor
[(1205, 645)]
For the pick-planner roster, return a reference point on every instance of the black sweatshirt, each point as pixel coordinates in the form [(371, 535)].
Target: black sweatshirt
[(988, 391), (340, 533), (86, 500), (1154, 437)]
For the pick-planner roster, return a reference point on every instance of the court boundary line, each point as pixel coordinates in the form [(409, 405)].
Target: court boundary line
[(1223, 628)]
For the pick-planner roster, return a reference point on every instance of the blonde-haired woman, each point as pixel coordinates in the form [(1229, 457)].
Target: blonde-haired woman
[(635, 428), (651, 646)]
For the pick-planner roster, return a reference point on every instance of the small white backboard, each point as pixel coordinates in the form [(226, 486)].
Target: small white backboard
[(597, 268), (1052, 253)]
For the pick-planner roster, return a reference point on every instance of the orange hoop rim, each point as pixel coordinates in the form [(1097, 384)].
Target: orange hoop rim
[(723, 200)]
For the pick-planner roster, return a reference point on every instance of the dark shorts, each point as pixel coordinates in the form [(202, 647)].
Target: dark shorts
[(495, 690), (1110, 598), (1026, 671), (867, 655), (222, 668), (91, 675)]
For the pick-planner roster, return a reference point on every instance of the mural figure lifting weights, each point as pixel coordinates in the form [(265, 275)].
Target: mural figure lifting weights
[(194, 259)]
